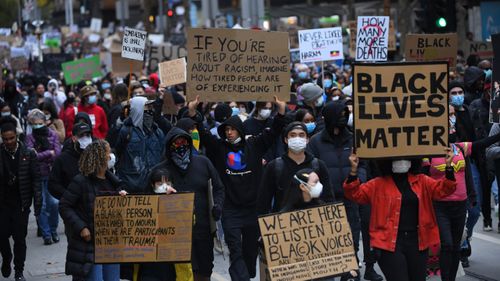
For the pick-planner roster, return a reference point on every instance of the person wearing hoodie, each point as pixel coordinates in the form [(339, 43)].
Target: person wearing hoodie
[(192, 173), (45, 142), (333, 145), (239, 164), (15, 100), (54, 94), (97, 116), (259, 120), (139, 144), (474, 81)]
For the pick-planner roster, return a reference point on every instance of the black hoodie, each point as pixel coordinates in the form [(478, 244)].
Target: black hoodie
[(195, 179), (240, 165), (472, 74), (64, 169)]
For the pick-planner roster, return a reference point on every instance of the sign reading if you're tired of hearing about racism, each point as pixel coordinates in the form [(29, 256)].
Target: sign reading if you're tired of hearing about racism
[(308, 244), (143, 228), (237, 65), (401, 109)]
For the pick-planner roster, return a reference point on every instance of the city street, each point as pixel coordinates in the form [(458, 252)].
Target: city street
[(47, 262)]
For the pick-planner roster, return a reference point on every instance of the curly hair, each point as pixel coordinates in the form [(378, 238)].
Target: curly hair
[(93, 158)]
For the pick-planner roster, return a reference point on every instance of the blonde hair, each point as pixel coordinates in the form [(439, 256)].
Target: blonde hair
[(93, 158)]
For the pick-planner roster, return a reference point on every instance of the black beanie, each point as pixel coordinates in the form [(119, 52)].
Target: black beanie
[(222, 112), (454, 84)]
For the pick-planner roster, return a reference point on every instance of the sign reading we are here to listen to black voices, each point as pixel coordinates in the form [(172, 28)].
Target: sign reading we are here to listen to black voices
[(400, 109)]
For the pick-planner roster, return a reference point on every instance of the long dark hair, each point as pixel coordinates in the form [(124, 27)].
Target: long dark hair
[(48, 105)]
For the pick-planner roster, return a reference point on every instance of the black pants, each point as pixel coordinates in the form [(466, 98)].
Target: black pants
[(486, 181), (406, 263), (241, 232), (451, 221), (364, 214), (14, 222)]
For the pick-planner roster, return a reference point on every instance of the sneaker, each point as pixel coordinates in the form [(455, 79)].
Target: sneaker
[(349, 277), (55, 238), (6, 269), (487, 228), (47, 241), (465, 262), (19, 277), (371, 274)]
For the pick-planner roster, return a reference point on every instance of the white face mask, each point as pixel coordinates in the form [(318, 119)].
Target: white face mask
[(107, 96), (84, 142), (265, 113), (297, 144), (335, 98), (315, 190), (401, 166), (111, 161), (47, 117), (162, 188), (350, 121), (319, 101), (236, 141)]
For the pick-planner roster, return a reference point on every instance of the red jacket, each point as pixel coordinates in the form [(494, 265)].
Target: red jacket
[(67, 115), (98, 118), (385, 199)]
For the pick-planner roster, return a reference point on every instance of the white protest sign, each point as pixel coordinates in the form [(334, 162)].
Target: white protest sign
[(372, 38), (133, 44), (320, 44), (95, 25)]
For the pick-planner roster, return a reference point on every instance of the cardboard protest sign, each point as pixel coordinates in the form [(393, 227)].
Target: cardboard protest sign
[(121, 66), (163, 52), (484, 50), (391, 45), (83, 69), (143, 228), (133, 44), (372, 37), (400, 110), (495, 78), (237, 65), (173, 72), (432, 47), (352, 25), (19, 63), (308, 244), (321, 44)]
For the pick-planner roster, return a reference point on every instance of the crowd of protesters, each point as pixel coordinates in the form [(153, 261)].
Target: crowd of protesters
[(62, 145)]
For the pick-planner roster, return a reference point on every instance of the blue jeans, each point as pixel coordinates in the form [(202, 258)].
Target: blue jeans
[(494, 190), (49, 216), (473, 213), (104, 272)]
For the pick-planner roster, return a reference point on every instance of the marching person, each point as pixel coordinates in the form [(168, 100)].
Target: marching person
[(304, 192), (20, 176), (239, 164), (77, 210), (45, 142), (97, 115), (402, 223)]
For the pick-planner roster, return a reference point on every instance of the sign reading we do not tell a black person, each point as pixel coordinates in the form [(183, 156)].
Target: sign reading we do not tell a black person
[(237, 65), (400, 109)]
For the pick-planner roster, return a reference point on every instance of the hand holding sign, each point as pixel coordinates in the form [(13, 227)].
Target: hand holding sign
[(353, 158), (449, 156), (192, 105), (280, 104), (85, 234)]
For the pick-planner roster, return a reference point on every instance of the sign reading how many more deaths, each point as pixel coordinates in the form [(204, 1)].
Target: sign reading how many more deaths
[(400, 109), (432, 47), (83, 69), (143, 228), (308, 244), (322, 44), (237, 65), (134, 42), (372, 39)]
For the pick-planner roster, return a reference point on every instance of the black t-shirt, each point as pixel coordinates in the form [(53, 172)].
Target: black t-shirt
[(408, 220), (105, 187)]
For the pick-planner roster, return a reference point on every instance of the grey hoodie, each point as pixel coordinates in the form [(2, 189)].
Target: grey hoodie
[(137, 111)]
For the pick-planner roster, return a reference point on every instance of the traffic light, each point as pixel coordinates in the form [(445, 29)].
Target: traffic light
[(443, 15), (170, 13), (421, 20)]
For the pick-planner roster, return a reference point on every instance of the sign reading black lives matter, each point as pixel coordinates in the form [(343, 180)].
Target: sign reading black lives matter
[(308, 244), (237, 65), (143, 228), (134, 42), (400, 109)]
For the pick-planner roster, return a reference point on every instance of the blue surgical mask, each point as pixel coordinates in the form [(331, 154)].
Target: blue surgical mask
[(303, 75), (327, 83), (92, 99), (5, 114), (457, 100), (106, 85), (310, 127), (235, 110), (37, 126)]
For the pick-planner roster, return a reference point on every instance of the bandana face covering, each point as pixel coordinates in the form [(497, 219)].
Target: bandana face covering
[(180, 153)]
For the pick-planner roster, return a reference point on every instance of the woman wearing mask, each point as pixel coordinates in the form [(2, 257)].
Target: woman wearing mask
[(47, 146), (49, 109), (5, 112), (96, 113), (451, 210), (260, 119), (77, 211), (402, 223), (304, 191), (305, 116)]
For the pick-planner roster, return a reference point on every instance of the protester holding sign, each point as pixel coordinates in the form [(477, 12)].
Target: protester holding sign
[(77, 210), (278, 177), (402, 224), (191, 173), (239, 164)]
